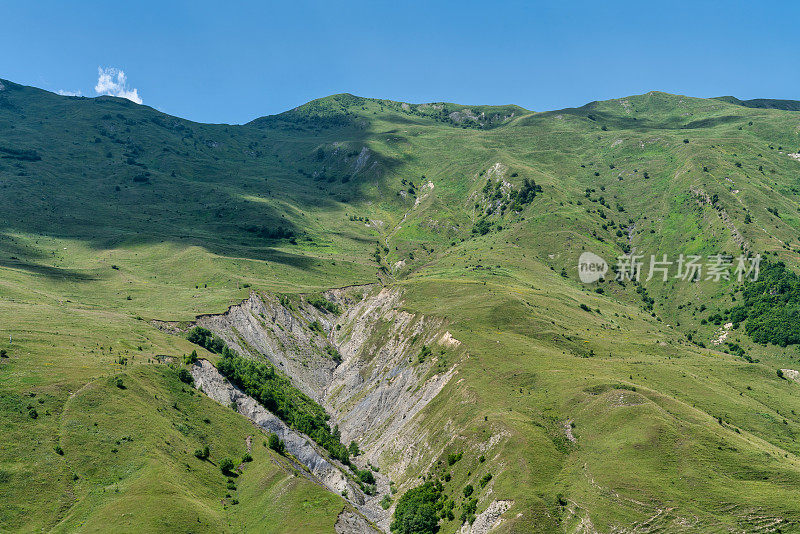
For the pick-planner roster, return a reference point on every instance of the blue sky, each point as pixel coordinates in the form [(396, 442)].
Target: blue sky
[(234, 61)]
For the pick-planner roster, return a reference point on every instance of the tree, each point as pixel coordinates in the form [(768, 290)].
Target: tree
[(416, 510), (276, 444), (191, 359), (185, 376), (226, 465), (202, 454), (366, 476)]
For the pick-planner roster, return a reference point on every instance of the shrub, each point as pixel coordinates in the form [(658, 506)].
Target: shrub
[(780, 374), (333, 353), (485, 479), (226, 465), (468, 490), (771, 306), (366, 476), (276, 444), (3, 353), (453, 458), (482, 227), (247, 457), (191, 358), (59, 450), (316, 327), (468, 509), (353, 449), (386, 502), (424, 353), (202, 454), (119, 383), (185, 376)]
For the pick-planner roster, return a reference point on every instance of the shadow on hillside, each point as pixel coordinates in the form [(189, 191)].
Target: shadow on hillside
[(107, 172), (47, 270)]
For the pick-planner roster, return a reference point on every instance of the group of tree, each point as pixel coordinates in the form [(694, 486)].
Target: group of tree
[(276, 393), (206, 339), (770, 308), (417, 511)]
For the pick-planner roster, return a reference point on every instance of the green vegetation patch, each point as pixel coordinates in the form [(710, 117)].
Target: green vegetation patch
[(277, 394), (771, 308)]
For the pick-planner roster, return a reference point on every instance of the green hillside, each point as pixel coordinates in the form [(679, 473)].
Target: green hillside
[(615, 406)]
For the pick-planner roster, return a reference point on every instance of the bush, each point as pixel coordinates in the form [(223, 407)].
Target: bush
[(333, 353), (247, 457), (485, 479), (353, 449), (386, 502), (59, 450), (316, 327), (276, 444), (185, 376), (3, 353), (424, 353), (202, 454), (771, 306), (366, 476), (468, 509), (191, 359), (468, 490), (482, 227), (452, 458), (119, 383), (780, 374), (226, 465)]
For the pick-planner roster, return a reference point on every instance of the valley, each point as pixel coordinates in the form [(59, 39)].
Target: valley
[(409, 274)]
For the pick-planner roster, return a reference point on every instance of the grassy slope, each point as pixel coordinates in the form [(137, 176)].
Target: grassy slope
[(181, 247)]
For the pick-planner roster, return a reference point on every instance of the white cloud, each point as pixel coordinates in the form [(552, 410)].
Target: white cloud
[(62, 92), (112, 81)]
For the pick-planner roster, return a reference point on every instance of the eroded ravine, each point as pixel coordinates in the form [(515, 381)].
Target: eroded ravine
[(372, 366)]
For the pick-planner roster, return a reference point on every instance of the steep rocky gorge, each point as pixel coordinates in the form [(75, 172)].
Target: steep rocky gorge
[(369, 363), (392, 363)]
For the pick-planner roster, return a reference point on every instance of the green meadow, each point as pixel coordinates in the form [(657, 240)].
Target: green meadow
[(113, 215)]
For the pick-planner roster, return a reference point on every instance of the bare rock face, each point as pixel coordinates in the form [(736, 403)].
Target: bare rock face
[(351, 523), (487, 520)]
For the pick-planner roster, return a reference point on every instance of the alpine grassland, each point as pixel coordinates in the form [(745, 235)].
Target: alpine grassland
[(618, 406)]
